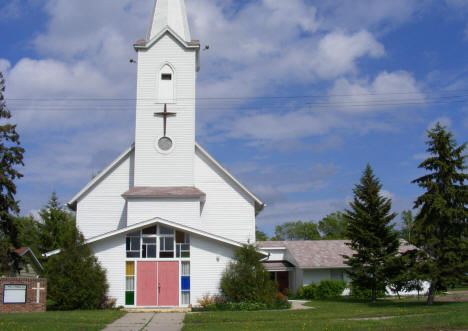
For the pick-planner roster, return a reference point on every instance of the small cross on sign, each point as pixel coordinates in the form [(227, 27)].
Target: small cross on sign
[(165, 114), (38, 291)]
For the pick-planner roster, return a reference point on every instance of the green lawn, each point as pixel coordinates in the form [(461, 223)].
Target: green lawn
[(59, 320), (338, 315)]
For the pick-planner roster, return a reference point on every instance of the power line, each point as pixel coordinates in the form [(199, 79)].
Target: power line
[(242, 98)]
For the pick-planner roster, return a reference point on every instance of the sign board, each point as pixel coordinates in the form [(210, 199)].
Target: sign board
[(14, 293)]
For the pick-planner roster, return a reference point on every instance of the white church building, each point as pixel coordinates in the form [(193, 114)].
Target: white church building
[(165, 217)]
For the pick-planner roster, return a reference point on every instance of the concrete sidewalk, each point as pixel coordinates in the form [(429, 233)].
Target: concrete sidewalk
[(148, 322)]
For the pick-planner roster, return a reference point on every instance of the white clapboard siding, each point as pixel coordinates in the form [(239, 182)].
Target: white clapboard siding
[(228, 211), (110, 253), (182, 211), (151, 167), (102, 209), (208, 260)]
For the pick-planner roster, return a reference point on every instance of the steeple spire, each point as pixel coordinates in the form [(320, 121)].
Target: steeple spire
[(172, 14)]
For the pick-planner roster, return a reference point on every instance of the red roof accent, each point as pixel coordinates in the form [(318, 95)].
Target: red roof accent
[(20, 251), (164, 192), (319, 253)]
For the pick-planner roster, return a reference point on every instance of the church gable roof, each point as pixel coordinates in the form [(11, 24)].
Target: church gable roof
[(72, 203), (164, 191), (259, 204), (153, 221)]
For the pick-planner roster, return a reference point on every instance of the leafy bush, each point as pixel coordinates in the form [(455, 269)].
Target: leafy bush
[(277, 303), (330, 289), (307, 291), (361, 293), (246, 280), (324, 290), (75, 278), (288, 293)]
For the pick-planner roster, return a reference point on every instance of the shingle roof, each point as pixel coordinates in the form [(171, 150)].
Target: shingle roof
[(317, 253), (164, 192), (277, 265)]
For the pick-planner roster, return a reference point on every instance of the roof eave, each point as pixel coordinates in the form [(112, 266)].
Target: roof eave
[(72, 204), (161, 221), (259, 204)]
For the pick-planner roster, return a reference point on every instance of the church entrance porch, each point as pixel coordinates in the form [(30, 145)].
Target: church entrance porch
[(157, 268)]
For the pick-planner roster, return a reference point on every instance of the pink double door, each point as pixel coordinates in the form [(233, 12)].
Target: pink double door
[(157, 283)]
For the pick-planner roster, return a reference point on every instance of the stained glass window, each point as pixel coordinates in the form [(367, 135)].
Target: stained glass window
[(130, 283)]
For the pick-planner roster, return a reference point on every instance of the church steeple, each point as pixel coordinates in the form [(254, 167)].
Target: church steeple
[(172, 14)]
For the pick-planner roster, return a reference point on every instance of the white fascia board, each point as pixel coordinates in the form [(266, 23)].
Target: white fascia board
[(177, 37), (153, 221), (258, 202), (96, 179), (274, 248), (161, 34), (33, 256)]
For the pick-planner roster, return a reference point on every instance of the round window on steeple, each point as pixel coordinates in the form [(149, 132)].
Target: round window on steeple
[(165, 144)]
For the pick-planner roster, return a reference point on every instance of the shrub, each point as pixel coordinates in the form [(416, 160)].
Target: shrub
[(246, 280), (288, 293), (107, 303), (365, 293), (324, 290), (330, 289), (206, 300), (307, 292), (75, 278), (280, 301)]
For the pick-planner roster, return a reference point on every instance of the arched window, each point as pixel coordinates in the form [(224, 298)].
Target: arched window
[(166, 85)]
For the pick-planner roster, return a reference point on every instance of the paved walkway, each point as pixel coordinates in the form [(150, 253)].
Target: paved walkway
[(148, 322)]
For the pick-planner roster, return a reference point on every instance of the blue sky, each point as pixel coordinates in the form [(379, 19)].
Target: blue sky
[(295, 97)]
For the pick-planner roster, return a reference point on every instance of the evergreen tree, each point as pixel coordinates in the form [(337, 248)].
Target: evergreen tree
[(56, 225), (407, 227), (76, 280), (11, 156), (441, 226), (246, 280), (371, 235), (333, 226)]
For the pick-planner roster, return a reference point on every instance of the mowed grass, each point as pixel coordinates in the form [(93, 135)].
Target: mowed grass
[(340, 314), (59, 320)]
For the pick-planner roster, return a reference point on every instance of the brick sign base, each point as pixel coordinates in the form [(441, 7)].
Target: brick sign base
[(36, 293)]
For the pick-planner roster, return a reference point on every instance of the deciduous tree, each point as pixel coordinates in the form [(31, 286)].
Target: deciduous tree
[(296, 231), (333, 226)]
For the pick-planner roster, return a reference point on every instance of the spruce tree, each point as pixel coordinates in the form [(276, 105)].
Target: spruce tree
[(372, 238), (11, 156), (56, 223), (441, 226)]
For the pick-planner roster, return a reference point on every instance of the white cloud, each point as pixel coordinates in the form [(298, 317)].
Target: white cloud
[(337, 52), (388, 90), (387, 194), (444, 121), (4, 65), (364, 14)]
